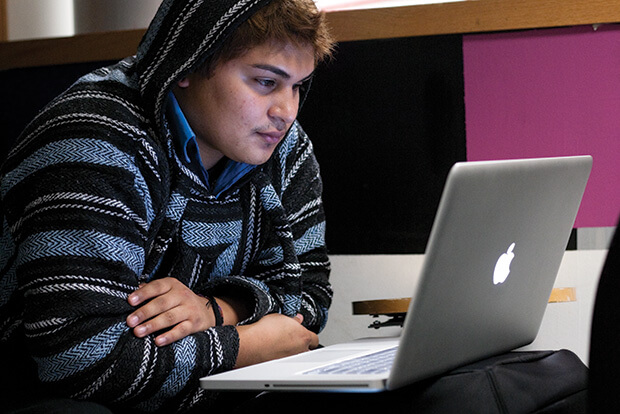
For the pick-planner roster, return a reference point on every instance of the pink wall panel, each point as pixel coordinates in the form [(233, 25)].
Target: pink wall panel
[(546, 93)]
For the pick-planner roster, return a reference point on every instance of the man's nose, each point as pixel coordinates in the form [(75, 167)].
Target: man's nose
[(284, 109)]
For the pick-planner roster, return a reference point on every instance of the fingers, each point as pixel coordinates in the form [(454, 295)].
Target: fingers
[(180, 331), (313, 341), (150, 290), (159, 302), (273, 336), (150, 319), (170, 306), (161, 305)]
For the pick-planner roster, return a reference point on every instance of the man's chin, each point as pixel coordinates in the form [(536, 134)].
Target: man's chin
[(257, 159)]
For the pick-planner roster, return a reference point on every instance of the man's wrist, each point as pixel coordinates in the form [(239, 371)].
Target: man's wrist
[(212, 316), (217, 310)]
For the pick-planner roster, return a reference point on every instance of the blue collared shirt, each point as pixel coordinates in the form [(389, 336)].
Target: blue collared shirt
[(186, 141)]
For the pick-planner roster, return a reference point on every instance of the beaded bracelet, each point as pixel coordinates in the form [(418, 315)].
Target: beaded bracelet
[(217, 310)]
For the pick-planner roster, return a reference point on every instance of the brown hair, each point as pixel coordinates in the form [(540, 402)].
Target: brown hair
[(295, 21)]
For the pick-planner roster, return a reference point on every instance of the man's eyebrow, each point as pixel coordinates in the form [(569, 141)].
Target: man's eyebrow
[(276, 70)]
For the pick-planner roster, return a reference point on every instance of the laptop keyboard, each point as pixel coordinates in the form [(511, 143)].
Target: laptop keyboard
[(375, 363)]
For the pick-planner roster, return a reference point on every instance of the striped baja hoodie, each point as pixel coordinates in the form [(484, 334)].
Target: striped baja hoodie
[(96, 200)]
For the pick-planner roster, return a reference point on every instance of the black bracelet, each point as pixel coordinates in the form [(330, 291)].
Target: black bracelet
[(217, 311)]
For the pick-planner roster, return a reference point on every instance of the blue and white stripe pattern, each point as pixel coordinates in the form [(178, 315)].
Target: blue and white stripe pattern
[(95, 200), (81, 356), (96, 212)]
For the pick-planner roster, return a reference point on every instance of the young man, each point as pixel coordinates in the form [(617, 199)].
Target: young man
[(162, 219)]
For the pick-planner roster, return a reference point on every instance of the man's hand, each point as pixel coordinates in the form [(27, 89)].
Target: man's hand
[(273, 336), (168, 304)]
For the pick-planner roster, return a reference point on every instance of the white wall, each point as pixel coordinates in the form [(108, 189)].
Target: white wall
[(106, 15), (567, 324), (356, 278), (28, 19)]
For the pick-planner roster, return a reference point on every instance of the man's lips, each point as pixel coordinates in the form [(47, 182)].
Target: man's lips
[(272, 137)]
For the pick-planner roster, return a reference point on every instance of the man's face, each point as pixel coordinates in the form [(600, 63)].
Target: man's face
[(246, 107)]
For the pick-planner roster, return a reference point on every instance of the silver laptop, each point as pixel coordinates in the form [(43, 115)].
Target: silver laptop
[(494, 251)]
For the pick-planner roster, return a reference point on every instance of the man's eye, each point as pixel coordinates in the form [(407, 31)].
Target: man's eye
[(267, 83)]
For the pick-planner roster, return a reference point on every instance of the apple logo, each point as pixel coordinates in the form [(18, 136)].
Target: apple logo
[(502, 267)]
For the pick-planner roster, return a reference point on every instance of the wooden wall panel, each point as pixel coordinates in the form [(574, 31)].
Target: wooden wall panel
[(471, 16), (4, 31)]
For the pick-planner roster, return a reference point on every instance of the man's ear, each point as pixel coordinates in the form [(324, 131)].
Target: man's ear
[(183, 82)]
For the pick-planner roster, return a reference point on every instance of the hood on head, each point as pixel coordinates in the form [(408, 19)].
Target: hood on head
[(181, 36)]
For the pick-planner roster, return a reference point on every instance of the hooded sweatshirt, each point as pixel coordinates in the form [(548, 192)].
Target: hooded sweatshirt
[(98, 198)]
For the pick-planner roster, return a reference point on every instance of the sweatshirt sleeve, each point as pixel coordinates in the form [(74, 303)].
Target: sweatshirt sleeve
[(290, 274), (76, 217)]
